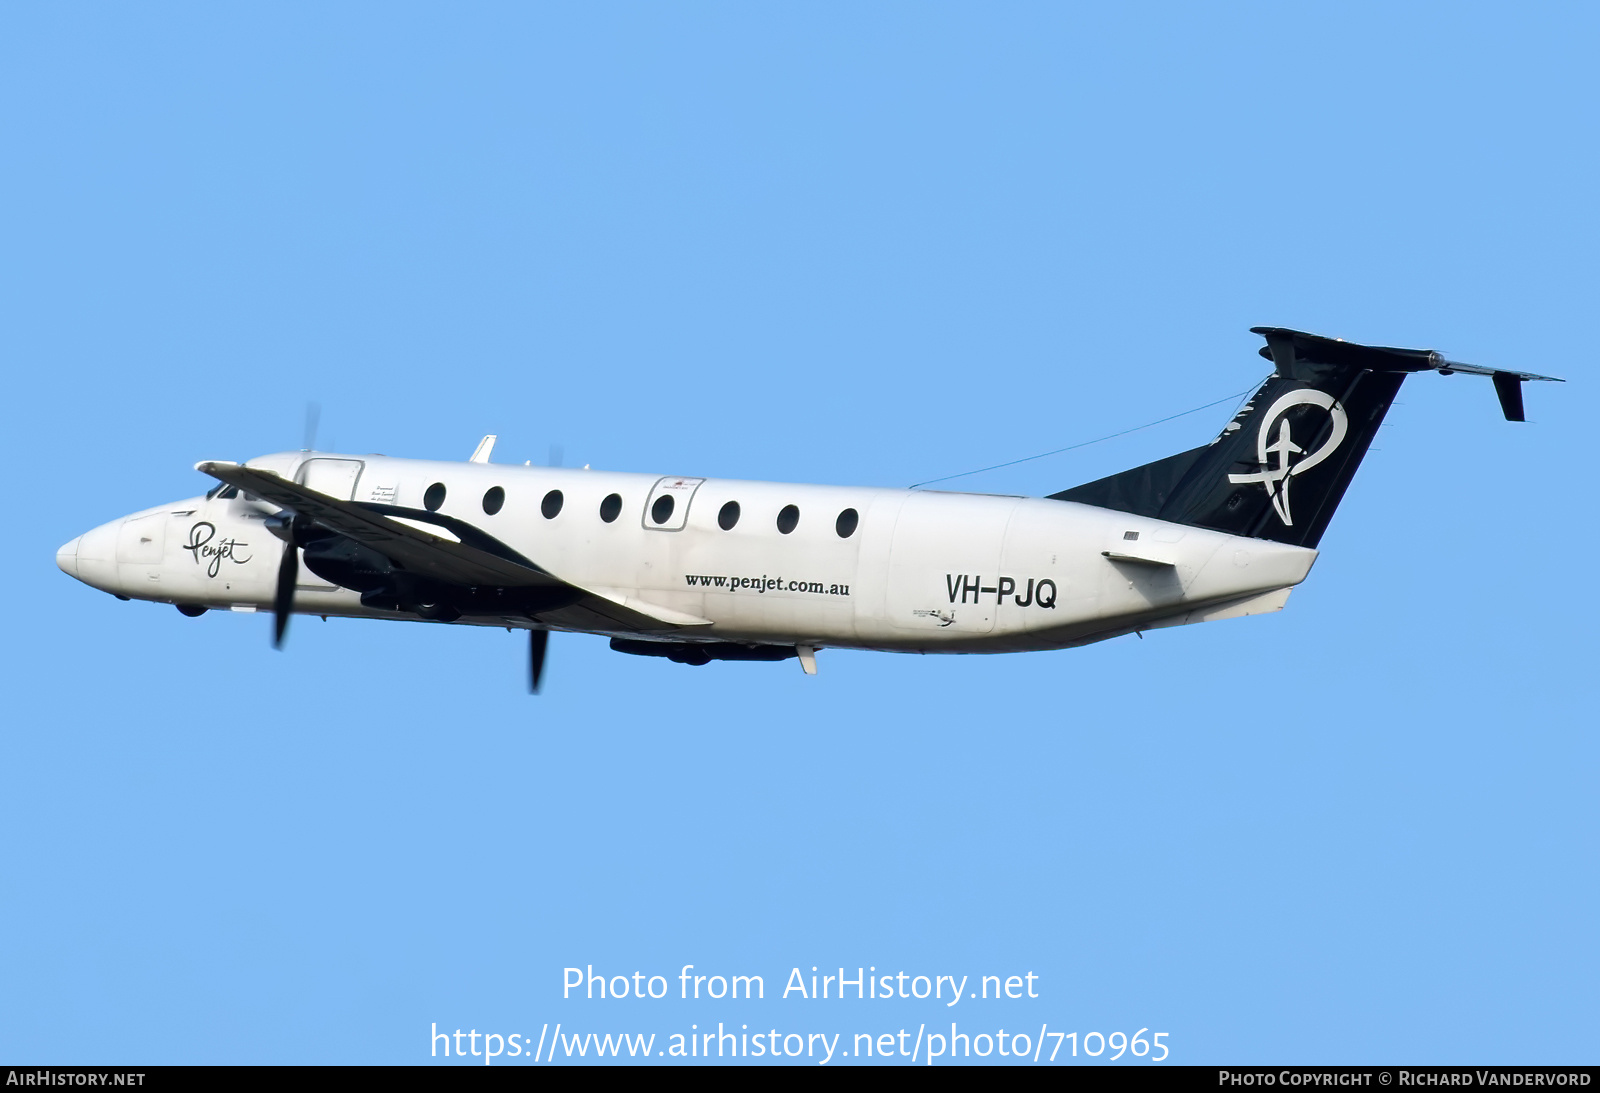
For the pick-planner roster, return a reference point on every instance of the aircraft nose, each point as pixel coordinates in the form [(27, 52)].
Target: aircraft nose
[(67, 557), (92, 557)]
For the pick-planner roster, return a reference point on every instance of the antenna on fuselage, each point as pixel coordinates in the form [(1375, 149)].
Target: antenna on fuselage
[(313, 416)]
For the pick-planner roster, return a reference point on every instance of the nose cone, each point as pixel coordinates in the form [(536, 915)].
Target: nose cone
[(92, 558), (67, 557)]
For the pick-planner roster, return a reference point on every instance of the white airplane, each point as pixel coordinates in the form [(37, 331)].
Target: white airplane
[(697, 569)]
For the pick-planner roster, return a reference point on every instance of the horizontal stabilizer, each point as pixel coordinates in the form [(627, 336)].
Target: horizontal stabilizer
[(1287, 348), (1280, 467)]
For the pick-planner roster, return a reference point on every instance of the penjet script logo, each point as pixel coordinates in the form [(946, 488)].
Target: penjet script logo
[(200, 545), (1275, 445)]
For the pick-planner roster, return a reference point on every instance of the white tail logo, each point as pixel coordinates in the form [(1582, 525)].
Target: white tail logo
[(1275, 475)]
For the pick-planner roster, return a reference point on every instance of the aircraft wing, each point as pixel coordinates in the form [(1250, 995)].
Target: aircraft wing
[(613, 613), (422, 552), (451, 551)]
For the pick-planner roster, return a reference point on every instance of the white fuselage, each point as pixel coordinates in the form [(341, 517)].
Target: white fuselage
[(918, 570)]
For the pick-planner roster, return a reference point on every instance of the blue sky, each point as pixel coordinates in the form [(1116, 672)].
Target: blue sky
[(839, 243)]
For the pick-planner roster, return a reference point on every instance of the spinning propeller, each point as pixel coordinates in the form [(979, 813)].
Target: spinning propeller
[(289, 564), (283, 598), (285, 527), (538, 644), (293, 529)]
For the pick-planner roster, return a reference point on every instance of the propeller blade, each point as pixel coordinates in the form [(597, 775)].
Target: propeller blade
[(313, 416), (538, 643), (283, 600)]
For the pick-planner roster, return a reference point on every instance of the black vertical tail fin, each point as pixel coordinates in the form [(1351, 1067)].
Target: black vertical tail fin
[(1280, 467)]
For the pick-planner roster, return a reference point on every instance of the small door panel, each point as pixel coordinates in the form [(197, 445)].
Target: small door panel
[(669, 500), (334, 477)]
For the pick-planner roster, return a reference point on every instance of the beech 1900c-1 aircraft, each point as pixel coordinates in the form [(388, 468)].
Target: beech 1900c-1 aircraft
[(698, 569)]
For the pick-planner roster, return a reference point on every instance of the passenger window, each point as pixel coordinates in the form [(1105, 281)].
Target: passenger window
[(434, 497), (788, 519), (661, 511), (611, 507), (551, 505), (728, 516), (494, 500), (846, 524)]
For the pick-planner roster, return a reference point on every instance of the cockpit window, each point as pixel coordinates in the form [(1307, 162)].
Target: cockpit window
[(222, 490)]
